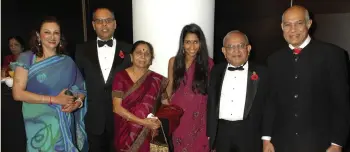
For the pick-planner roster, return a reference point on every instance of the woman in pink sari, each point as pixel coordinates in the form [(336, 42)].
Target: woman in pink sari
[(188, 81), (135, 93)]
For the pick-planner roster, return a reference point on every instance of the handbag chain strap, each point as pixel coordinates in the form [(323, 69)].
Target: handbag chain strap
[(161, 127), (166, 141)]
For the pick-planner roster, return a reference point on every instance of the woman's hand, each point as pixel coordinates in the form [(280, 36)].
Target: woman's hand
[(62, 98), (75, 105), (151, 123), (71, 107)]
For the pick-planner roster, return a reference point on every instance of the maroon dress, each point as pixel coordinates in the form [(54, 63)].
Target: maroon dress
[(190, 136)]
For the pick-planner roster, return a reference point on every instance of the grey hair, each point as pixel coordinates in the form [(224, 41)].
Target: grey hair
[(94, 13), (235, 31), (306, 15)]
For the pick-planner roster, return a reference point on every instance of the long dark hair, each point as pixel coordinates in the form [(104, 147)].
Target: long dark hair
[(38, 49), (200, 77)]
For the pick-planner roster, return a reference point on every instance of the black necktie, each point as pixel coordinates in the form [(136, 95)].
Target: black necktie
[(102, 43), (240, 68)]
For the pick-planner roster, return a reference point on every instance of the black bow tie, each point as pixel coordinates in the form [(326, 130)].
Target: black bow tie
[(240, 68), (102, 43)]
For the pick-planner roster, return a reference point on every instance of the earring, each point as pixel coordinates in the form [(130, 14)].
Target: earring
[(60, 44)]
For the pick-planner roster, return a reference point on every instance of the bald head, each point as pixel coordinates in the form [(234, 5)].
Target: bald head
[(295, 25), (234, 34), (236, 48), (296, 9)]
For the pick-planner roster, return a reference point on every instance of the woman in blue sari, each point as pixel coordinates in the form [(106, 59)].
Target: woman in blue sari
[(53, 120)]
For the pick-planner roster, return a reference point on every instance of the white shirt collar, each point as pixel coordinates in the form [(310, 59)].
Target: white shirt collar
[(306, 42), (102, 40), (245, 66)]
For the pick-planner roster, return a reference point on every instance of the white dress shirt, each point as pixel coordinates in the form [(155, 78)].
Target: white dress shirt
[(304, 44), (106, 58), (233, 94)]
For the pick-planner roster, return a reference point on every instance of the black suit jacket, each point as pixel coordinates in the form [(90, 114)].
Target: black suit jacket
[(308, 107), (99, 96), (255, 98)]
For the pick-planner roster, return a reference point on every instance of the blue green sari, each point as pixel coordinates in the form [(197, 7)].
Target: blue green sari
[(49, 129)]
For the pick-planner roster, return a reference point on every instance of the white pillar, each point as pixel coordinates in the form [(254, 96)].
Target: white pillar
[(160, 22)]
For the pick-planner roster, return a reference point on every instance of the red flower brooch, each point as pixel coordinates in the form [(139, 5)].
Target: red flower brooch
[(254, 76), (121, 54)]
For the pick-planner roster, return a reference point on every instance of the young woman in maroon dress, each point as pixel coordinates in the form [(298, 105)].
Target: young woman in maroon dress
[(188, 82)]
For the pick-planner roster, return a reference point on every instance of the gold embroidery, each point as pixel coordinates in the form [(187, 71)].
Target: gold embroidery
[(137, 84), (117, 94), (164, 84), (139, 140)]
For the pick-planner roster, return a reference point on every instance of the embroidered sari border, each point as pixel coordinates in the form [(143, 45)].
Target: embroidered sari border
[(139, 140), (137, 84), (117, 94), (35, 68)]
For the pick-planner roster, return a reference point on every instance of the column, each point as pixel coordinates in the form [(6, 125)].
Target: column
[(160, 22)]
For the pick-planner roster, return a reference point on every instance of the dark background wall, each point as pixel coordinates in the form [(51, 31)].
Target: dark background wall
[(260, 20)]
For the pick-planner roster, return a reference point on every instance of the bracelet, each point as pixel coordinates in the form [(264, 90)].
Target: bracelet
[(81, 102)]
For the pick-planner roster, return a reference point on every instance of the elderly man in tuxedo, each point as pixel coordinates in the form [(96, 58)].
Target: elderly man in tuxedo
[(308, 105), (236, 94)]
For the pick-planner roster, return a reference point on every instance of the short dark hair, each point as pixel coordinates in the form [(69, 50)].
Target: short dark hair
[(94, 12), (18, 39), (38, 49)]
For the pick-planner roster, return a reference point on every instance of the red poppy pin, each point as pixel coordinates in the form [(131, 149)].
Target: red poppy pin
[(254, 76), (121, 54)]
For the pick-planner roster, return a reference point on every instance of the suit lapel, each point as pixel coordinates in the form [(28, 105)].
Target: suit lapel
[(116, 61), (93, 57), (252, 86), (220, 80)]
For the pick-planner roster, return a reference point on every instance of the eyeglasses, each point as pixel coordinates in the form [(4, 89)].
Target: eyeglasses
[(236, 47), (298, 25), (101, 21)]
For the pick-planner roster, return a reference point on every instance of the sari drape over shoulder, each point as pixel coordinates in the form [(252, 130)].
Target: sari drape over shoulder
[(140, 99), (47, 127)]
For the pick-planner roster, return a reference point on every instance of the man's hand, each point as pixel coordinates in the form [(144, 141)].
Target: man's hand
[(334, 148), (267, 146)]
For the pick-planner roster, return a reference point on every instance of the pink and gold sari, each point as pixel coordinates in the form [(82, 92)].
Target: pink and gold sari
[(140, 99)]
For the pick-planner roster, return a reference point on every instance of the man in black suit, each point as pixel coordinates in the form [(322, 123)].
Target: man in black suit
[(308, 106), (235, 98), (98, 61)]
